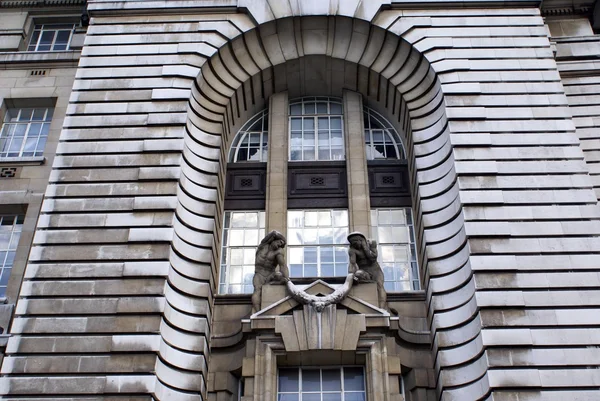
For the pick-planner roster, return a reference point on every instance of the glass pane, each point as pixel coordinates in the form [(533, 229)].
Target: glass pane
[(4, 240), (309, 124), (47, 37), (311, 397), (328, 270), (354, 397), (332, 397), (295, 218), (323, 123), (324, 154), (5, 276), (325, 236), (336, 108), (295, 270), (62, 38), (238, 219), (33, 42), (337, 154), (296, 255), (311, 219), (310, 255), (310, 236), (326, 255), (236, 237), (295, 237), (288, 397), (249, 256), (20, 130), (354, 379), (38, 114), (311, 271), (296, 109), (296, 124), (308, 154), (311, 380), (288, 380), (236, 256), (325, 219)]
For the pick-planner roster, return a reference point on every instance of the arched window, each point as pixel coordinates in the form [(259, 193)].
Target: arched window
[(381, 139), (316, 132), (250, 143)]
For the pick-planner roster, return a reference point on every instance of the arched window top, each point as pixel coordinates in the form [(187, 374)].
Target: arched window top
[(250, 143), (316, 131), (310, 106), (381, 139)]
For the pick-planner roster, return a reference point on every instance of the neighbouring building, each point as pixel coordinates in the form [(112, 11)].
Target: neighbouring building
[(146, 148)]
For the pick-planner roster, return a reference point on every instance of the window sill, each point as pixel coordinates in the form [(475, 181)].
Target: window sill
[(62, 57), (22, 161)]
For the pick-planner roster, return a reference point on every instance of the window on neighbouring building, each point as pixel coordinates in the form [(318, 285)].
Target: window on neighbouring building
[(242, 232), (328, 384), (251, 141), (10, 232), (317, 244), (24, 131), (51, 37), (381, 139), (393, 229), (316, 129)]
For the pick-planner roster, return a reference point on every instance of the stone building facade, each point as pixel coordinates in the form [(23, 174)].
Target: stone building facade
[(147, 146)]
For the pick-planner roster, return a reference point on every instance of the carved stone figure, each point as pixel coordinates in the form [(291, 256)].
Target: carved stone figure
[(269, 255), (363, 264)]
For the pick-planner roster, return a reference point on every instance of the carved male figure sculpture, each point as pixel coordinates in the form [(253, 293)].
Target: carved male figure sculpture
[(269, 254), (364, 265)]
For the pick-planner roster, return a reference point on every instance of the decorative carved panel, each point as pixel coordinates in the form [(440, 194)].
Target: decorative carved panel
[(388, 183), (245, 186), (317, 184)]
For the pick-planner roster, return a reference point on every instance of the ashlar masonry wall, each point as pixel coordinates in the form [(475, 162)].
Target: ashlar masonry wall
[(512, 317)]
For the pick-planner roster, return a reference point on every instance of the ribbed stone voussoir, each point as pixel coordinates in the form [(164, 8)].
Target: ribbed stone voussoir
[(186, 341), (189, 286), (194, 306), (182, 359), (178, 381)]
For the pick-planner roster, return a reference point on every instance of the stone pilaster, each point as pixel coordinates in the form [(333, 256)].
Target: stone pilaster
[(276, 204), (356, 163)]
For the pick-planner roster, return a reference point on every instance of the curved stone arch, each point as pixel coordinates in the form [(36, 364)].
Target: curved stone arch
[(398, 82)]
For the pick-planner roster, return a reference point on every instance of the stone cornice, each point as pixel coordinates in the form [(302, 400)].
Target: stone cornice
[(39, 3)]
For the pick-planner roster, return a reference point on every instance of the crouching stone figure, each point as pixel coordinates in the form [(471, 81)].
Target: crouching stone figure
[(363, 263), (269, 254)]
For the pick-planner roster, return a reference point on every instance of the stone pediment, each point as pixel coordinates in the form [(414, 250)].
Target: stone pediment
[(320, 288), (304, 327)]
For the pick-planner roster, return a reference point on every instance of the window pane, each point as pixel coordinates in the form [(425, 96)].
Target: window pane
[(322, 384), (320, 229), (311, 380), (332, 380), (47, 38), (238, 250), (250, 143), (311, 108), (288, 380), (354, 379)]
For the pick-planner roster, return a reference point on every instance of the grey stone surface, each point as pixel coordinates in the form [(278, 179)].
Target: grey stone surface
[(502, 145)]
